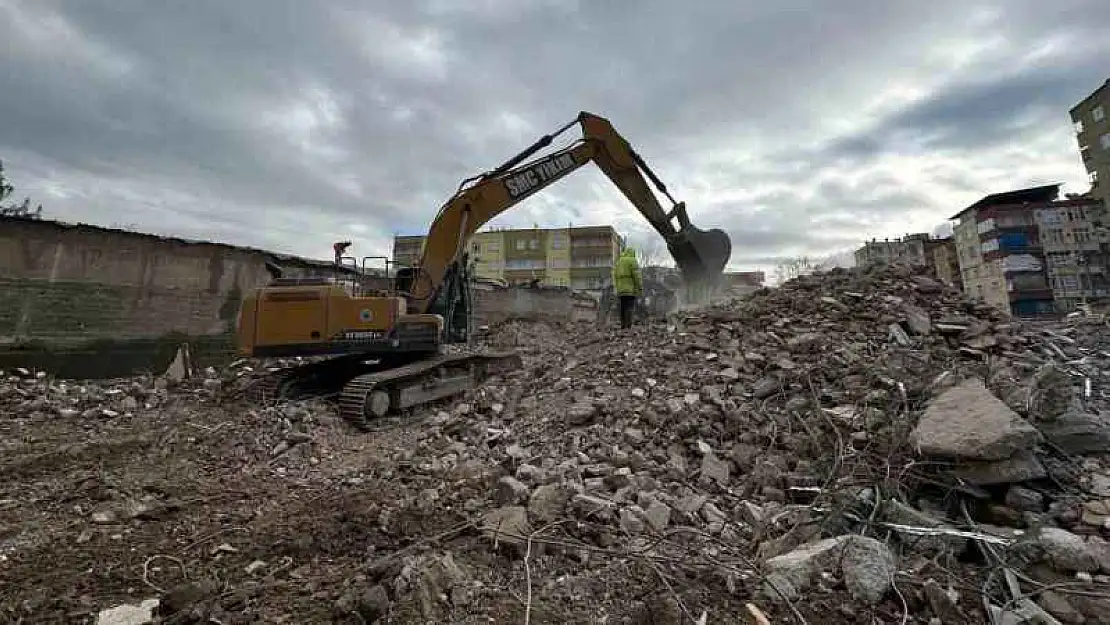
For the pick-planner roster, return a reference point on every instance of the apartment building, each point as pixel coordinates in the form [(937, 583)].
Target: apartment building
[(1000, 254), (908, 250), (1074, 250), (594, 251), (407, 249), (946, 265), (1092, 131), (581, 258)]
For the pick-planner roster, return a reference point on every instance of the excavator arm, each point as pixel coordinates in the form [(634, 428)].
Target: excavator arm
[(700, 255)]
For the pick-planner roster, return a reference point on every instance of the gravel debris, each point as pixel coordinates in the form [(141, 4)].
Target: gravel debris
[(854, 446)]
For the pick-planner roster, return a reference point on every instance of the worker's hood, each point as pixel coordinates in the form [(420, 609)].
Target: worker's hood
[(628, 253)]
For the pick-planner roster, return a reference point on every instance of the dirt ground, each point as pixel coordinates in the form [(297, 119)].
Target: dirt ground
[(205, 504), (646, 477), (105, 511)]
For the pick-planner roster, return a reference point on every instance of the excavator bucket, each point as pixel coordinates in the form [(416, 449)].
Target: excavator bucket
[(701, 255)]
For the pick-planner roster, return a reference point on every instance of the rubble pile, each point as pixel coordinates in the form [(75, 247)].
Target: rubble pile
[(855, 446), (854, 433)]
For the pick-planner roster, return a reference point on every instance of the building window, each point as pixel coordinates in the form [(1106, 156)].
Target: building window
[(521, 244), (558, 241), (475, 248), (1104, 140), (533, 244), (1093, 177), (1097, 113), (493, 246)]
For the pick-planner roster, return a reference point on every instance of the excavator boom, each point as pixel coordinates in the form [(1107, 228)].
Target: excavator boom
[(700, 255)]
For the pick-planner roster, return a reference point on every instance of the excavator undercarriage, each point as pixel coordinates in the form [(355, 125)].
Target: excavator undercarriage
[(393, 376), (366, 390)]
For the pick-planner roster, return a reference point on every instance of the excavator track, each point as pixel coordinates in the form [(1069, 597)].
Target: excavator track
[(366, 390), (322, 379), (374, 395)]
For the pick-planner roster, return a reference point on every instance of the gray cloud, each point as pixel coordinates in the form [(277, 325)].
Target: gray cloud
[(289, 124)]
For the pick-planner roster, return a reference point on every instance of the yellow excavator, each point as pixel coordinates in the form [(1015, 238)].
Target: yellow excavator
[(385, 344)]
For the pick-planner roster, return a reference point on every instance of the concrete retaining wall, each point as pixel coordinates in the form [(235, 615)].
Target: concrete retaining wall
[(63, 283), (85, 301), (495, 306)]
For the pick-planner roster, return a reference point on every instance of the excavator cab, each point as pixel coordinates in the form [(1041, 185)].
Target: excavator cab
[(453, 300)]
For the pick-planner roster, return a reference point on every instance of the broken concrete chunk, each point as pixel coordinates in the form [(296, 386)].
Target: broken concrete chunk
[(867, 565), (691, 504), (766, 387), (944, 603), (898, 513), (1021, 467), (581, 413), (1024, 499), (508, 524), (791, 574), (510, 491), (869, 568), (1078, 433), (140, 614), (1066, 552), (658, 515), (1050, 393), (1058, 606), (548, 502), (917, 320), (714, 470), (898, 335), (1095, 513), (632, 519), (968, 422)]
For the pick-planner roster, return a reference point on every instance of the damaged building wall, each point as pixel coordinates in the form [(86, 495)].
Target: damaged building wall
[(65, 283), (86, 301), (493, 305)]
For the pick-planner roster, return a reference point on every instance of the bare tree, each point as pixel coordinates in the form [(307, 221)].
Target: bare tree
[(23, 209)]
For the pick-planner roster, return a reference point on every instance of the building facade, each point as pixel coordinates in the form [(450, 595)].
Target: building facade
[(908, 250), (946, 265), (407, 250), (580, 258), (1001, 256), (1091, 118), (593, 252), (1075, 257)]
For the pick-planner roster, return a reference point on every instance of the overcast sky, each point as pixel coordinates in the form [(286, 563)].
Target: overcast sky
[(800, 127)]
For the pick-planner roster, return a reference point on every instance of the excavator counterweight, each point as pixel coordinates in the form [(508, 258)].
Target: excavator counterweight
[(385, 344)]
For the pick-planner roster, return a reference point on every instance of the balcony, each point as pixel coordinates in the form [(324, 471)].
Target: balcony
[(1019, 295)]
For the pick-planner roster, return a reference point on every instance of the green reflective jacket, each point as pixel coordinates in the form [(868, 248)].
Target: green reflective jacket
[(626, 274)]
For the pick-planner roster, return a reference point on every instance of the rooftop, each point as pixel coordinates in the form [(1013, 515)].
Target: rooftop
[(81, 227), (1101, 88), (1042, 194)]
